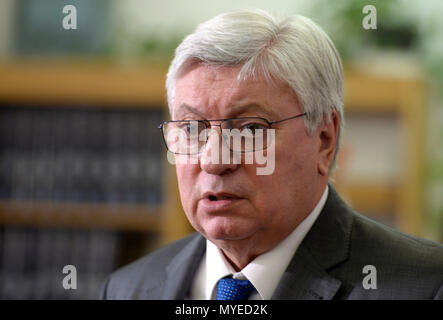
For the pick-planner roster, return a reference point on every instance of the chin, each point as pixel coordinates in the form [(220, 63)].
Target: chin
[(227, 232)]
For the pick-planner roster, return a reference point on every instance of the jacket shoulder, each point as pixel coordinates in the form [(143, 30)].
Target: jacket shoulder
[(407, 267), (145, 272), (383, 241)]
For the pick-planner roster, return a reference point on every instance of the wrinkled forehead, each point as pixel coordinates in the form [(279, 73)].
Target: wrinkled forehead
[(239, 71), (217, 92), (206, 85)]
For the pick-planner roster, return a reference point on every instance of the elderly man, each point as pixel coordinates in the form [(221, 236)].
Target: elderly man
[(285, 233)]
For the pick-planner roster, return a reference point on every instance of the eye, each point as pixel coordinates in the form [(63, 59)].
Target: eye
[(192, 128), (252, 126), (186, 126)]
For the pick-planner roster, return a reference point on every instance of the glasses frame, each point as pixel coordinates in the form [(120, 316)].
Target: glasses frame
[(208, 125)]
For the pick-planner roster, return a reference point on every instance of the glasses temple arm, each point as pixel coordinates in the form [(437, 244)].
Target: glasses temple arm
[(297, 116)]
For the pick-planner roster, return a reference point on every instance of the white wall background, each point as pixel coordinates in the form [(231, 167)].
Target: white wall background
[(169, 16)]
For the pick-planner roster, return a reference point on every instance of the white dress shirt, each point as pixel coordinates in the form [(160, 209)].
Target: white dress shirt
[(264, 271)]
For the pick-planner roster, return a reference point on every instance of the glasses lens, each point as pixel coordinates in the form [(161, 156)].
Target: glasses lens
[(184, 137), (246, 134)]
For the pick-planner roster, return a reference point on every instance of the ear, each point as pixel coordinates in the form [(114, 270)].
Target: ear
[(328, 134)]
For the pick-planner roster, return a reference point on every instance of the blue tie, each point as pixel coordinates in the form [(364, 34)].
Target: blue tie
[(233, 289)]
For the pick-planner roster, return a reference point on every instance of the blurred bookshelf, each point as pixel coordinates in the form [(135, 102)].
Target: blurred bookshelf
[(83, 174), (381, 164)]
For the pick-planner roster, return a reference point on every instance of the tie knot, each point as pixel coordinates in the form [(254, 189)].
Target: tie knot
[(233, 289)]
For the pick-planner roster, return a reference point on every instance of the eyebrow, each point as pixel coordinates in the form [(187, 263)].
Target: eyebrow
[(190, 109), (235, 110)]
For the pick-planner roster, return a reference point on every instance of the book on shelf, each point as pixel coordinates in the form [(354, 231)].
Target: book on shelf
[(72, 155)]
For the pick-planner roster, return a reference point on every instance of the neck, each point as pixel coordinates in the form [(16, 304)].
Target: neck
[(239, 253)]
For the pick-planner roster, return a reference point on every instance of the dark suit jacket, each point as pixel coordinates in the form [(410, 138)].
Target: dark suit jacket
[(327, 265)]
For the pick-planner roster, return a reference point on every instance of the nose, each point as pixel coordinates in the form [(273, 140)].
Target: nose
[(216, 157)]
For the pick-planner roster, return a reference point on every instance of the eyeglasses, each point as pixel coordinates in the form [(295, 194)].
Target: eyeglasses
[(245, 134)]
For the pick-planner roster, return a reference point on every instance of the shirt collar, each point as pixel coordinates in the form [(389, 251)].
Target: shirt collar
[(265, 271)]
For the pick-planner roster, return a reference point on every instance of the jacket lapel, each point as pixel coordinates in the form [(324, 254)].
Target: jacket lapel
[(305, 280), (326, 245), (181, 270)]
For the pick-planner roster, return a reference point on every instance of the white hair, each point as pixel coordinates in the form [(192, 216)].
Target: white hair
[(292, 49)]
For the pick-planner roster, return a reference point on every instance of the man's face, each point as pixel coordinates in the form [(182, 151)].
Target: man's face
[(229, 203)]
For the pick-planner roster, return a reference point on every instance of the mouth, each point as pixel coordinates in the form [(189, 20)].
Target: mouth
[(220, 196), (219, 201)]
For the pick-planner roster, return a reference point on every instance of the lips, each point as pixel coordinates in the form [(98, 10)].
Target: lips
[(219, 201), (219, 196)]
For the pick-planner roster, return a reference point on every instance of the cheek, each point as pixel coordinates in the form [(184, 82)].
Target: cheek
[(186, 178), (295, 170), (297, 157)]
